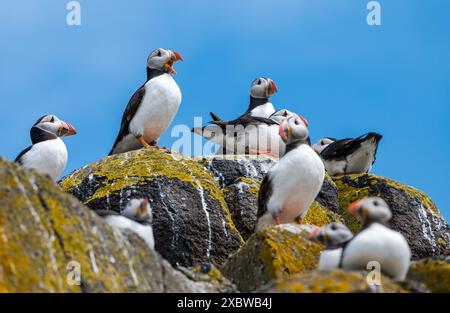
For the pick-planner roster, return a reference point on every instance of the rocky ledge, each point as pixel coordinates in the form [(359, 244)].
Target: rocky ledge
[(204, 219)]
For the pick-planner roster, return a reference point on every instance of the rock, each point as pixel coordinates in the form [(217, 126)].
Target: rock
[(228, 168), (241, 197), (331, 282), (433, 272), (211, 278), (192, 223), (273, 253), (46, 235), (413, 213), (328, 195)]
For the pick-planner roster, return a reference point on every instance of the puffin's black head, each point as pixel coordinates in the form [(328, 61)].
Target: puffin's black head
[(53, 125), (263, 87), (371, 210), (332, 235), (163, 59), (294, 128)]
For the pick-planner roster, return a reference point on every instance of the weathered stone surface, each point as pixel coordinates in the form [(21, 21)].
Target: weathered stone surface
[(273, 253), (337, 281), (44, 232), (242, 200), (433, 272), (228, 168), (192, 223), (328, 195), (413, 213)]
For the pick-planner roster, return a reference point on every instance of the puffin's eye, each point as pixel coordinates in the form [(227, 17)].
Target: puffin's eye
[(333, 227), (285, 114), (259, 82), (52, 120), (375, 203), (158, 54)]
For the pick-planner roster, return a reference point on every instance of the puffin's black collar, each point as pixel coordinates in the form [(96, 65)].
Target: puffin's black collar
[(254, 102), (291, 146), (152, 73), (38, 135)]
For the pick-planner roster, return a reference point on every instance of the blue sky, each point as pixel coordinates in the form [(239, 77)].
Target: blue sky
[(345, 77)]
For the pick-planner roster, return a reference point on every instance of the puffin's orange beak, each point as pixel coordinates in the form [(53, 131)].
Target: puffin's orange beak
[(314, 233), (273, 87), (144, 205), (354, 206), (174, 57), (67, 130)]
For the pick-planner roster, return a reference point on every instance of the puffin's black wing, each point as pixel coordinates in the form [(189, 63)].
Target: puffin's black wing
[(130, 111), (344, 147), (104, 213), (21, 154), (265, 192), (215, 117)]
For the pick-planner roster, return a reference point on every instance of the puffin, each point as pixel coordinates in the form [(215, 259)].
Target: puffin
[(152, 107), (136, 216), (250, 135), (334, 236), (375, 241), (48, 153), (350, 155), (291, 185)]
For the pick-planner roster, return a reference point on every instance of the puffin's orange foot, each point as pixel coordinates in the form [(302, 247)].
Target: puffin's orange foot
[(299, 220), (153, 144), (143, 142), (277, 220)]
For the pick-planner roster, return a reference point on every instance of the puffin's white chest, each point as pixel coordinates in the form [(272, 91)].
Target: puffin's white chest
[(296, 179), (258, 139), (329, 259), (159, 105), (381, 244), (49, 157), (264, 110), (123, 223)]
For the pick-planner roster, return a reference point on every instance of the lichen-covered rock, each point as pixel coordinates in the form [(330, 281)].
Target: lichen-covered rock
[(433, 272), (273, 253), (413, 213), (337, 281), (192, 223), (328, 195), (46, 236)]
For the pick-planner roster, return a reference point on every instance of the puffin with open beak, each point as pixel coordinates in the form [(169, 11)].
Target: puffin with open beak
[(152, 107), (290, 187), (136, 216), (48, 153), (375, 241)]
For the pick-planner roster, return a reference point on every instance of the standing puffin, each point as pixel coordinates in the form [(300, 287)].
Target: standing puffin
[(289, 188), (250, 135), (48, 153), (376, 242), (350, 155), (334, 236), (152, 107), (136, 217)]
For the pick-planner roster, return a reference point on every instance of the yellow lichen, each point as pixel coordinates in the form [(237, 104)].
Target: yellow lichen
[(320, 216), (435, 274)]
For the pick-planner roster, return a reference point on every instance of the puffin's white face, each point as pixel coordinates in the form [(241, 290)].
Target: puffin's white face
[(320, 145), (263, 87), (371, 209), (293, 128), (139, 210), (52, 124), (332, 235), (281, 115), (163, 59)]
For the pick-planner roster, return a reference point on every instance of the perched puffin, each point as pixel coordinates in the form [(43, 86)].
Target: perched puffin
[(152, 107), (350, 155), (289, 188), (334, 236), (250, 135), (136, 217), (375, 241), (48, 153)]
